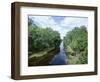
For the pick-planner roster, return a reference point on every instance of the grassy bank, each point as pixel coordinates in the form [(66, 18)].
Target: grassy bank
[(42, 58)]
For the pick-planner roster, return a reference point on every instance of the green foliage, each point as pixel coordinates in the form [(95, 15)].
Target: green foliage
[(42, 38), (75, 42)]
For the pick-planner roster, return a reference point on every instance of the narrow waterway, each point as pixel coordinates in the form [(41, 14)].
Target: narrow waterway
[(60, 58)]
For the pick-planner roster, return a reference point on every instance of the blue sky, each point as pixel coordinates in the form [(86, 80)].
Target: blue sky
[(62, 24), (58, 19)]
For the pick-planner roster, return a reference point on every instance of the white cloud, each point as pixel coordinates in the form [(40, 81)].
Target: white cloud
[(71, 22), (44, 21)]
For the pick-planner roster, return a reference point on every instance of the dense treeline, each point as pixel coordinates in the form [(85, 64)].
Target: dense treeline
[(40, 39), (75, 45)]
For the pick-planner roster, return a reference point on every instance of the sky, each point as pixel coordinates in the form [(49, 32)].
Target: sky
[(62, 24)]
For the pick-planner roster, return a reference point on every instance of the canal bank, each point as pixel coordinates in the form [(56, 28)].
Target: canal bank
[(43, 59), (51, 57)]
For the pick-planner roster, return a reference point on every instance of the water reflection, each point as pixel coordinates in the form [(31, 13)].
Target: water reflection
[(60, 58)]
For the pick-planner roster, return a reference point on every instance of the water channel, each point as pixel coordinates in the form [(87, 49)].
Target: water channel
[(60, 58)]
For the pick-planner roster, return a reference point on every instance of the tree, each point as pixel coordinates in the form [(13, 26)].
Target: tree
[(76, 39), (40, 39)]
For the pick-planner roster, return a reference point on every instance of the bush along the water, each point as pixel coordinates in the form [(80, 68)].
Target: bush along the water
[(40, 39), (75, 45)]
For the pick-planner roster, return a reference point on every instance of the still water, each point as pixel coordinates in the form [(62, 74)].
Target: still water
[(60, 58)]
